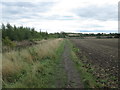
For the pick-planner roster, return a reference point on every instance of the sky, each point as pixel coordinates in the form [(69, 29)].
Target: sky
[(81, 16)]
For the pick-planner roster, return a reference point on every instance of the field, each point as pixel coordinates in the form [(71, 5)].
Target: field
[(59, 44), (102, 56), (62, 63)]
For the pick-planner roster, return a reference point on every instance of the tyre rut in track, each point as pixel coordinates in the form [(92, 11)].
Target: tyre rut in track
[(73, 77)]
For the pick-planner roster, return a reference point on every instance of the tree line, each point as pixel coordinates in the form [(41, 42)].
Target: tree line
[(20, 33), (98, 35), (11, 35)]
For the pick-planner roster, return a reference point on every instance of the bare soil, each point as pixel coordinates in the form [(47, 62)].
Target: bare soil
[(102, 53)]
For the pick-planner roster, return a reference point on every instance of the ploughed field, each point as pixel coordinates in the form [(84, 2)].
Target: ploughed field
[(102, 56)]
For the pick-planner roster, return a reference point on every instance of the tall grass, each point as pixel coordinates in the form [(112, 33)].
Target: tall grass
[(28, 61)]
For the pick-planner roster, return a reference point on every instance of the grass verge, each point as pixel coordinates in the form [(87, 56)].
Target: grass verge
[(34, 67)]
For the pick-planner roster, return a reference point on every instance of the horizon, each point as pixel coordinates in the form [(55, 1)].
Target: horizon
[(87, 32)]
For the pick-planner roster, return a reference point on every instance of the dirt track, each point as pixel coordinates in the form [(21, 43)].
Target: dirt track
[(73, 77)]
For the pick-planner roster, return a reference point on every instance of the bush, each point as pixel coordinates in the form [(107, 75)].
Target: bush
[(8, 42), (116, 36), (98, 37), (109, 37)]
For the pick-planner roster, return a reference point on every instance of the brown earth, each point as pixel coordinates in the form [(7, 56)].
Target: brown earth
[(101, 53)]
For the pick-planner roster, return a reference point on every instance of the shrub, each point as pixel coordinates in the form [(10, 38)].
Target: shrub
[(8, 42), (116, 36), (98, 37)]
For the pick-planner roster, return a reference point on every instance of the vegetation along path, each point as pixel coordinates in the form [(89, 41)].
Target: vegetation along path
[(73, 78)]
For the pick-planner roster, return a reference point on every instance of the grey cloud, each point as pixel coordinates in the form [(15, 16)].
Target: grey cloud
[(29, 10), (18, 10), (58, 17), (108, 12), (91, 26), (18, 4)]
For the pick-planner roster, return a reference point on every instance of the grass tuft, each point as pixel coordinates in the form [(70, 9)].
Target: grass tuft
[(31, 67)]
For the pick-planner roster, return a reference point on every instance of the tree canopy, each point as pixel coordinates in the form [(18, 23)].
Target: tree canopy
[(23, 33)]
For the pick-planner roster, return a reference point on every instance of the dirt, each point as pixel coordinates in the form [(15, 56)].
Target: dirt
[(102, 53), (73, 77), (99, 51)]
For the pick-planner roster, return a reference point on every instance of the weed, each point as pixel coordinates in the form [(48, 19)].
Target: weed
[(32, 67)]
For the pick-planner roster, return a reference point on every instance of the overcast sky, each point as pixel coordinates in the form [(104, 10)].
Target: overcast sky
[(89, 16)]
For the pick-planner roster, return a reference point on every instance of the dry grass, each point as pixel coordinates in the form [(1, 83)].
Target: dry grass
[(26, 56), (14, 61), (10, 67), (48, 49)]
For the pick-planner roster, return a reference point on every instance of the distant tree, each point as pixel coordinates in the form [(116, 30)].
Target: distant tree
[(3, 30), (98, 34), (9, 31), (62, 34)]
